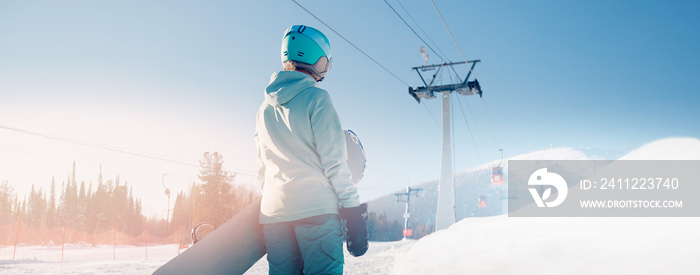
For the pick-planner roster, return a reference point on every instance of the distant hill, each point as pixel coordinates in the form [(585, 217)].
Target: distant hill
[(503, 245), (667, 149), (470, 184)]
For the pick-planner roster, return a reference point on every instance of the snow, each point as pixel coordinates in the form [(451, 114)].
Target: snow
[(132, 260), (667, 149), (502, 245), (84, 259), (480, 245)]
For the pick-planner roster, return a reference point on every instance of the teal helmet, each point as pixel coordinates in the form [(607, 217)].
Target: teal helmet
[(309, 48)]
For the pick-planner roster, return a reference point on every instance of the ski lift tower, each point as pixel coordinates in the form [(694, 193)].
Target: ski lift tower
[(399, 196), (446, 195)]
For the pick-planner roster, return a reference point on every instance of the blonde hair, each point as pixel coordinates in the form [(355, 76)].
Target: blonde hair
[(289, 65)]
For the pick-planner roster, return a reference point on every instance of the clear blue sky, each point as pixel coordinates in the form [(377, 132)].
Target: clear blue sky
[(600, 74)]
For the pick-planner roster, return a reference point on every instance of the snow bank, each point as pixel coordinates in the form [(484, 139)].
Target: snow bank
[(503, 245), (667, 149)]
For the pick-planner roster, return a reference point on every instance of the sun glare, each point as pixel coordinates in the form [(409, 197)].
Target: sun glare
[(139, 149)]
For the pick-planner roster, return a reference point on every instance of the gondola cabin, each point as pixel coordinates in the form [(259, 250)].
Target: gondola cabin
[(482, 201), (497, 176)]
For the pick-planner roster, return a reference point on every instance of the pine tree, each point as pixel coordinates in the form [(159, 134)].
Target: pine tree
[(130, 215), (197, 204), (216, 187), (23, 208), (72, 200), (6, 211), (82, 207), (62, 202), (51, 220), (69, 201), (120, 202), (32, 215), (138, 217), (90, 217), (109, 204), (18, 207), (182, 214), (42, 206), (99, 205)]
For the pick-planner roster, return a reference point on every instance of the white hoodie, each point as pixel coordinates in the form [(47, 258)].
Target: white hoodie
[(301, 151)]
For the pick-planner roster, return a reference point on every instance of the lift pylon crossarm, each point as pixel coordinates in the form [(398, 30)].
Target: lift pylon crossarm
[(428, 91), (469, 73), (470, 88), (445, 64), (409, 191)]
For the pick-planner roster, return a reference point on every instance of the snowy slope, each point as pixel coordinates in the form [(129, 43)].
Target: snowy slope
[(380, 259), (667, 149), (502, 245), (469, 185), (80, 259), (482, 245)]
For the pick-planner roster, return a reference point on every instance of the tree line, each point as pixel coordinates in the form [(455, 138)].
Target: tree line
[(110, 205), (88, 208)]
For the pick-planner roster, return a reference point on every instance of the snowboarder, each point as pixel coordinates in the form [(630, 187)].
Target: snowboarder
[(306, 183)]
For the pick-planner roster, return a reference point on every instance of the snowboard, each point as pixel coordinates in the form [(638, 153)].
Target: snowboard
[(357, 161), (238, 244), (232, 248)]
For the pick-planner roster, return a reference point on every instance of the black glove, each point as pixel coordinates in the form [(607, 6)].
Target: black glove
[(356, 234)]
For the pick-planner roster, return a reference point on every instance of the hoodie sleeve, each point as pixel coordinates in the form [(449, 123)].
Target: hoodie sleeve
[(331, 149)]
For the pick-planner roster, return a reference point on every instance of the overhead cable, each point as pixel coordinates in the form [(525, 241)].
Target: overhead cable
[(110, 148), (421, 29), (470, 69), (414, 32), (351, 44)]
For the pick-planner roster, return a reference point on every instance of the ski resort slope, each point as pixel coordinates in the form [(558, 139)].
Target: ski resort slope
[(85, 259), (667, 149), (477, 245), (503, 245), (380, 259)]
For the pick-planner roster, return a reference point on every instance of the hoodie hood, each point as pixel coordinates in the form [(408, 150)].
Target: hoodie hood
[(285, 85)]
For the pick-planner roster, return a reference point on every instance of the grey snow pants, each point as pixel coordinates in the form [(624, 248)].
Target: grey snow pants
[(308, 246)]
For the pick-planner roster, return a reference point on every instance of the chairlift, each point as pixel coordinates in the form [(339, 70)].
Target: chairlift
[(475, 88), (497, 172), (482, 201)]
